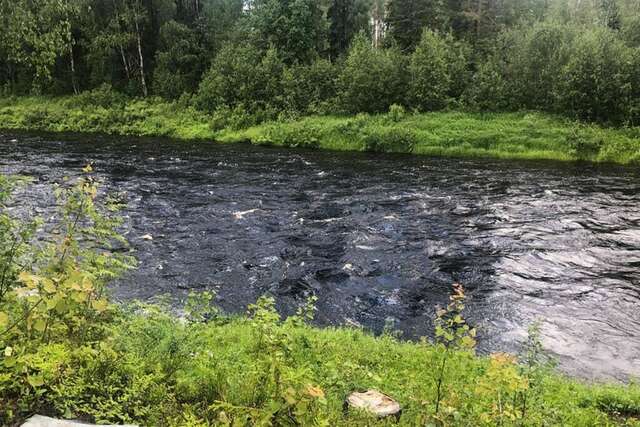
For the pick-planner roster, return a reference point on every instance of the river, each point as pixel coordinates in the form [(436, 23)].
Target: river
[(379, 239)]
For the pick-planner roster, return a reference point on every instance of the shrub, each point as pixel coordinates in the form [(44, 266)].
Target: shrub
[(232, 80), (57, 306), (103, 96), (429, 70), (310, 89), (397, 113), (372, 79), (584, 145), (389, 140), (596, 82)]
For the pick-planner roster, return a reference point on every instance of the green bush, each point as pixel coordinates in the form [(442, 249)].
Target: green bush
[(585, 145), (233, 79), (397, 113), (389, 140), (103, 96), (310, 89), (596, 81), (429, 72), (372, 79)]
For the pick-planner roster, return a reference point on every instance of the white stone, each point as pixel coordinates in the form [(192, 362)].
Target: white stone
[(374, 402), (147, 237), (41, 421)]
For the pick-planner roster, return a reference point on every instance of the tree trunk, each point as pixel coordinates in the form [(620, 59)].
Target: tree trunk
[(143, 81), (72, 61), (125, 64)]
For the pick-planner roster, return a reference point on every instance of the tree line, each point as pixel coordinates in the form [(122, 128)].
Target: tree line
[(253, 60)]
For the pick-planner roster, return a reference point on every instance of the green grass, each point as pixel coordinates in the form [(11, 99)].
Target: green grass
[(156, 370), (522, 135)]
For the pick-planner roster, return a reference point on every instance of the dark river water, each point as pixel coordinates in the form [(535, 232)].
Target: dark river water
[(379, 239)]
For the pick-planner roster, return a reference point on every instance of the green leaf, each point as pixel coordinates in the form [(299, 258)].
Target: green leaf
[(4, 320), (39, 325), (35, 381)]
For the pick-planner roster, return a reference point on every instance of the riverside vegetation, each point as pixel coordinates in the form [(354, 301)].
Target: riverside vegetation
[(67, 351), (550, 79), (523, 135)]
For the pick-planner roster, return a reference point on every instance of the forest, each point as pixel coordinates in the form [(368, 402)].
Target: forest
[(252, 61)]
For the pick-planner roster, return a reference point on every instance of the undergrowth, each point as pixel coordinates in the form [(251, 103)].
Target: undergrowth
[(521, 135)]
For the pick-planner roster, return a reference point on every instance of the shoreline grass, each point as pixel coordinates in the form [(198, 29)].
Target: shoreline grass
[(520, 135)]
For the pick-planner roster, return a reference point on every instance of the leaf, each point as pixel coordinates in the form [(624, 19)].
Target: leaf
[(315, 391), (35, 381), (8, 351), (49, 286), (290, 396), (29, 280), (53, 302), (79, 297), (100, 305), (39, 325), (87, 168), (4, 320)]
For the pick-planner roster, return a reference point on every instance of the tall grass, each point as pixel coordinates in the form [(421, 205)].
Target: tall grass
[(521, 135)]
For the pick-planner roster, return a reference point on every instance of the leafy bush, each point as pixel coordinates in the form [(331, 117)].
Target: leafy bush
[(584, 145), (596, 81), (372, 79), (310, 89), (233, 79), (295, 135), (103, 96), (58, 303), (389, 140), (397, 113), (429, 71)]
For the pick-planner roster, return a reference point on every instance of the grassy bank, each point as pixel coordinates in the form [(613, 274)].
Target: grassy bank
[(498, 135), (155, 370)]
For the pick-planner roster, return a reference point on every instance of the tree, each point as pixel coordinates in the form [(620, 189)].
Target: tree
[(597, 79), (346, 19), (233, 78), (296, 28), (533, 60), (407, 19), (310, 89), (372, 79), (35, 36), (179, 61), (429, 71)]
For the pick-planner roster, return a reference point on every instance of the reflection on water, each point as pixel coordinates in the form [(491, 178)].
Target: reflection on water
[(377, 238)]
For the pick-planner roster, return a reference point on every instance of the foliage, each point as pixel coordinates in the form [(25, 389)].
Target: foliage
[(179, 61), (597, 78), (429, 70), (296, 28), (452, 333), (500, 135), (280, 59), (372, 79), (57, 302)]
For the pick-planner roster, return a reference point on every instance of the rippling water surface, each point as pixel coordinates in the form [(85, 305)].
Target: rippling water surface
[(377, 238)]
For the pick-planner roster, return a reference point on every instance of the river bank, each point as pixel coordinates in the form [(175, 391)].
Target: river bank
[(523, 135), (152, 368)]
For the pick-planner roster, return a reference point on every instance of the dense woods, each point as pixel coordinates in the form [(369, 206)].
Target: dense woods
[(264, 59)]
